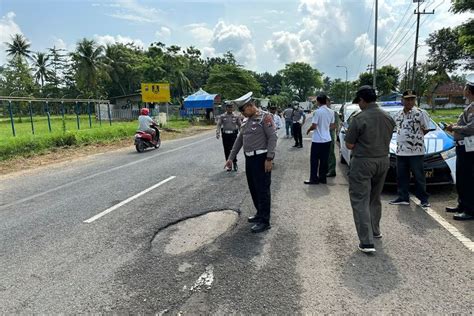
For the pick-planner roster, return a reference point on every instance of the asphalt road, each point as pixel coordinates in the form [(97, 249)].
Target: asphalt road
[(52, 261)]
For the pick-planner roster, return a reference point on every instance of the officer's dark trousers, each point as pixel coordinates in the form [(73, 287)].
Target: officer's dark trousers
[(319, 161), (228, 140), (405, 164), (289, 128), (259, 185), (366, 180), (332, 155), (465, 179), (297, 135)]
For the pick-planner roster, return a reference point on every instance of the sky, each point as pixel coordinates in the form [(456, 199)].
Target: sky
[(264, 35)]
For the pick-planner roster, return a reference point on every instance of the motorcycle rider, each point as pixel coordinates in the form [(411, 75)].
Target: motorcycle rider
[(146, 122)]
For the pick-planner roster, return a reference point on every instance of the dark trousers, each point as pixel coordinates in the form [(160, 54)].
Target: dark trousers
[(319, 161), (259, 183), (228, 140), (405, 164), (289, 128), (332, 155), (465, 179), (297, 135)]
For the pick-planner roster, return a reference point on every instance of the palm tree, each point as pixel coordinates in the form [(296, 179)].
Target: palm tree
[(19, 47), (41, 67), (89, 61), (115, 64)]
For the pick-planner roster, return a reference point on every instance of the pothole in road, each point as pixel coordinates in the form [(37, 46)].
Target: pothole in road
[(193, 233)]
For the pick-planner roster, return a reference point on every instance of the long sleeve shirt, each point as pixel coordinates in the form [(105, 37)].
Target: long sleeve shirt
[(465, 125), (257, 133)]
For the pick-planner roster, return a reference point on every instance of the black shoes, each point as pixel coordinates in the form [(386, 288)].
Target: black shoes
[(310, 182), (253, 219), (463, 217), (235, 166), (366, 248), (331, 175), (260, 227), (454, 209), (300, 146), (295, 145)]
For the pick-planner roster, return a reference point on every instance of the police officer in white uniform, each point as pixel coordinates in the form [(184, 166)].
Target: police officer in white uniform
[(258, 137)]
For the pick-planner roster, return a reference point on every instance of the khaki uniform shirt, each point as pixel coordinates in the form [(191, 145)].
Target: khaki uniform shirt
[(228, 122), (465, 125), (297, 116), (258, 132), (370, 131)]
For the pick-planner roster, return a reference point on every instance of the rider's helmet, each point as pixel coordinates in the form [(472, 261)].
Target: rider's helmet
[(144, 111)]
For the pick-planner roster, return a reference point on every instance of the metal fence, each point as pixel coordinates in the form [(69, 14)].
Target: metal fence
[(38, 111), (47, 115)]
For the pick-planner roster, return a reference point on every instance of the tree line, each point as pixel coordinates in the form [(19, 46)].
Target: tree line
[(104, 71)]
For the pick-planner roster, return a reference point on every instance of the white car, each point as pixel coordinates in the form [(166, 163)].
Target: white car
[(440, 149)]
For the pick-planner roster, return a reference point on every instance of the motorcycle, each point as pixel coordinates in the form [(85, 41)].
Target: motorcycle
[(144, 140)]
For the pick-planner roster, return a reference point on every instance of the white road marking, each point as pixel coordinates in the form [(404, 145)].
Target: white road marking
[(205, 279), (113, 208), (450, 228), (34, 196)]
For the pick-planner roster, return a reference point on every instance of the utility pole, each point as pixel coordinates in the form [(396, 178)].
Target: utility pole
[(345, 91), (374, 85), (418, 13), (370, 68), (405, 78)]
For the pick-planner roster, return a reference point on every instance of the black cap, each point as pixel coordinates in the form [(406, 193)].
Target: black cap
[(365, 92), (409, 94)]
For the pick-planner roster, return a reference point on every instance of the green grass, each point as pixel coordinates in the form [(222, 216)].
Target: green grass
[(445, 115), (27, 144)]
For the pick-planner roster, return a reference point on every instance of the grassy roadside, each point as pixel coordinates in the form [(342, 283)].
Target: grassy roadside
[(26, 145), (445, 115)]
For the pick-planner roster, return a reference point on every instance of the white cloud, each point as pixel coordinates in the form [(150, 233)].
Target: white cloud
[(208, 52), (201, 33), (8, 27), (163, 32), (274, 12), (234, 38), (110, 39), (133, 11), (289, 47)]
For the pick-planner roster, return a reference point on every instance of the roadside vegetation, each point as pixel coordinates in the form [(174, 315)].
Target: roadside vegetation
[(26, 144)]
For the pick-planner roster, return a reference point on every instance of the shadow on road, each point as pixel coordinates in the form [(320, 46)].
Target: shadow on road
[(369, 276)]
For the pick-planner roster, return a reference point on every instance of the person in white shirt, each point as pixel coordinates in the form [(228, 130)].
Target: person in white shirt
[(322, 122), (145, 122), (412, 125), (276, 117)]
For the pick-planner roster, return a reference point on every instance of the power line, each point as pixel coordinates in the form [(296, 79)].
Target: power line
[(422, 22), (396, 29), (397, 47), (367, 32), (394, 49)]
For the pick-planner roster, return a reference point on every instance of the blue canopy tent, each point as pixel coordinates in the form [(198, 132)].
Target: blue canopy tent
[(200, 99)]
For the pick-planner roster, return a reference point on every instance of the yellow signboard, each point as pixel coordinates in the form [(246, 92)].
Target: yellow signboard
[(156, 92)]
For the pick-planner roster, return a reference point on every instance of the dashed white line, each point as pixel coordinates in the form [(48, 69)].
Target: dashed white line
[(450, 228), (113, 208)]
